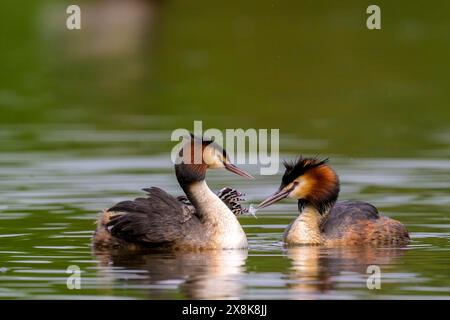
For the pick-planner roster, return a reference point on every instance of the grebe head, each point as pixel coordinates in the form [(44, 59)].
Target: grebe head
[(198, 155), (310, 181)]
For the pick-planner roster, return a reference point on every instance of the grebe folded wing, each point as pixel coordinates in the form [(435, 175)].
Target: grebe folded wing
[(347, 213), (159, 218)]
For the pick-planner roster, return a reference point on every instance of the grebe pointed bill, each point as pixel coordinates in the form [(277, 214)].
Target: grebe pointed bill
[(200, 220), (324, 221)]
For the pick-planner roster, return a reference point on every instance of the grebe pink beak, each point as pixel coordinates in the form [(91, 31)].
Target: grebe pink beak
[(232, 168), (277, 196)]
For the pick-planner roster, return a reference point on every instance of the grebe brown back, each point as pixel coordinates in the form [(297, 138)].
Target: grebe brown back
[(322, 220), (201, 220)]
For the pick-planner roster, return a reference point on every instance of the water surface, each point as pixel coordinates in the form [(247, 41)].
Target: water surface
[(86, 117), (50, 203)]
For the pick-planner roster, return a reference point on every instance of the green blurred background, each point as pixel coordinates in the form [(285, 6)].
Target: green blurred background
[(310, 68)]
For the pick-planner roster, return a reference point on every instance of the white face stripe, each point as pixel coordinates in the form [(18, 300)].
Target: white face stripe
[(301, 189), (213, 157)]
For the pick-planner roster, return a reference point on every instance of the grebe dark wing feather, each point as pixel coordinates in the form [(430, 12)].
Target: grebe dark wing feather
[(159, 218), (345, 214), (162, 218)]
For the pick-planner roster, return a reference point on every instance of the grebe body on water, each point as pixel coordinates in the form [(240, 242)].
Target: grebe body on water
[(323, 220)]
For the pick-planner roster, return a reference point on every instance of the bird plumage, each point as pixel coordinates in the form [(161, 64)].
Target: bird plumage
[(199, 220), (323, 220), (158, 219)]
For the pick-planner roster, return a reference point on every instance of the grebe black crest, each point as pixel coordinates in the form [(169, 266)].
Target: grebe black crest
[(199, 220), (323, 220)]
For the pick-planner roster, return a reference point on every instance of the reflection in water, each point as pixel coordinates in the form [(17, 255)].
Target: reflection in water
[(314, 266), (82, 110), (203, 275)]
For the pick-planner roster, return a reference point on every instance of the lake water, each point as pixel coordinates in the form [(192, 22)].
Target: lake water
[(86, 123), (50, 202)]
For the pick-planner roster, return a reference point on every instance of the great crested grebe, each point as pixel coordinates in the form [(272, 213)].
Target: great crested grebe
[(322, 220), (201, 220)]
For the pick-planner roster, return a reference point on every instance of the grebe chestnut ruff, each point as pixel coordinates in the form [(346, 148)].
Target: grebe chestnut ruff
[(201, 220), (322, 220)]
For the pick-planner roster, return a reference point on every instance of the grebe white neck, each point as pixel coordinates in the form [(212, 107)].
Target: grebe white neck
[(306, 228), (220, 223)]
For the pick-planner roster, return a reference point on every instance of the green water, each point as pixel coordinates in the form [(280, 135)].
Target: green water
[(86, 118)]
